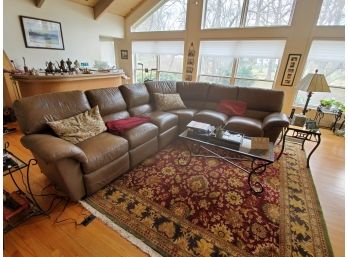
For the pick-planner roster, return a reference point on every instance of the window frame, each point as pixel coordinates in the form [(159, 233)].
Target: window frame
[(234, 77), (243, 17), (312, 106), (158, 71)]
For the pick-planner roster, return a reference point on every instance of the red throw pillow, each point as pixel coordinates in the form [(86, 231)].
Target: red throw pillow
[(232, 107), (121, 125)]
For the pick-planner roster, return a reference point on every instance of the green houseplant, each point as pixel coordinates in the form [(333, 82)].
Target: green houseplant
[(329, 103)]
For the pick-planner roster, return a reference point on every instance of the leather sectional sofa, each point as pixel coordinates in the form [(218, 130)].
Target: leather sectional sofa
[(84, 168)]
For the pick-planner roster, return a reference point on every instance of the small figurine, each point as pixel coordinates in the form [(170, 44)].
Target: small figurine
[(49, 68), (25, 66), (68, 63), (62, 66), (77, 64)]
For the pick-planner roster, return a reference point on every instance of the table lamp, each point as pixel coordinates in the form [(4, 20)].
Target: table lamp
[(313, 83)]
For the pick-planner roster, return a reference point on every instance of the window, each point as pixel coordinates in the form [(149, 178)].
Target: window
[(332, 13), (328, 58), (250, 63), (168, 16), (247, 13), (107, 52), (158, 60)]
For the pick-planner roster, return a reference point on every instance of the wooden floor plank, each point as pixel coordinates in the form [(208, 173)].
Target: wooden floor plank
[(40, 237)]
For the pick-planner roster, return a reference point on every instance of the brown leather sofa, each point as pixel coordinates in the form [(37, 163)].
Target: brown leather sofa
[(84, 168)]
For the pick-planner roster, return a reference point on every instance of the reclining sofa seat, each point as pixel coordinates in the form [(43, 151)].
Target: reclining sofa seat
[(76, 169), (138, 102), (142, 139)]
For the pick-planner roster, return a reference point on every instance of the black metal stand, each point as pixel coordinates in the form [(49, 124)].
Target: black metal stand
[(304, 135), (35, 208), (255, 187)]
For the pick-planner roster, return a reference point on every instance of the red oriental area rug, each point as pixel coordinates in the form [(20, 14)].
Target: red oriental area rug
[(205, 208)]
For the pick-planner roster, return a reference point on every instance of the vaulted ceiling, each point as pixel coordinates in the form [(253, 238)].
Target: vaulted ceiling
[(118, 7)]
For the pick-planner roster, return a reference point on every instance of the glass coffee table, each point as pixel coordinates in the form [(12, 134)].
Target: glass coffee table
[(259, 159)]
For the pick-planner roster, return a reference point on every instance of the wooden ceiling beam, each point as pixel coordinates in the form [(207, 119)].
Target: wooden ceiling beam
[(133, 9), (39, 3), (101, 7)]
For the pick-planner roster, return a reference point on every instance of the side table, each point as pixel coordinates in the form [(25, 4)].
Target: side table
[(303, 134), (321, 111)]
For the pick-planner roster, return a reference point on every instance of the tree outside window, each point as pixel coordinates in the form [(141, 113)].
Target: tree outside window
[(332, 13), (170, 16), (247, 13)]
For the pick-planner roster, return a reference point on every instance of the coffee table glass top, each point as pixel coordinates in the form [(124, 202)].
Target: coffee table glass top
[(244, 148)]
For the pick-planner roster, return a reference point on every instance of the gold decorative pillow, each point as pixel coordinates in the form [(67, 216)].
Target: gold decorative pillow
[(166, 102), (80, 127)]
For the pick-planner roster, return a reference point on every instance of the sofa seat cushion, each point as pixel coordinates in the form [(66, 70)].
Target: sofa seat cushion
[(184, 115), (248, 126), (140, 134), (101, 150), (211, 117), (163, 120), (122, 125)]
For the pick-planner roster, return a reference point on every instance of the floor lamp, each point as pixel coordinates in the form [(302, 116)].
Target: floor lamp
[(313, 82)]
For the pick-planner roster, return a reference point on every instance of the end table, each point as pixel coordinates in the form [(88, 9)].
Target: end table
[(303, 134)]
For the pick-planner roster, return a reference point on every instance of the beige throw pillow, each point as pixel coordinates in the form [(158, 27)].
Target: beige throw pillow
[(80, 127), (166, 102)]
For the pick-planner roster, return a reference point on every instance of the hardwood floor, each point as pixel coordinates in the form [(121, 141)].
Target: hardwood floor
[(40, 236)]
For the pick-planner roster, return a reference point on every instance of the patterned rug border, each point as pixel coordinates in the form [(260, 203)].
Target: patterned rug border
[(314, 192), (321, 215), (130, 237), (150, 249)]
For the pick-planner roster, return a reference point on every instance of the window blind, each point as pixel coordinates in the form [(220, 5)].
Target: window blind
[(327, 50), (158, 47), (243, 48)]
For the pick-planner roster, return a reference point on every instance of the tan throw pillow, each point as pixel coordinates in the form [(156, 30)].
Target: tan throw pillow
[(166, 102), (80, 127)]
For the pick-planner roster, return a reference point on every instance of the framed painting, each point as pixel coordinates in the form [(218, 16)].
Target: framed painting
[(124, 54), (291, 69), (39, 33)]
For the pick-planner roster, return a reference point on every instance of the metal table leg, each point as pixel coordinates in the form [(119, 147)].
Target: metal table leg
[(283, 145), (316, 146)]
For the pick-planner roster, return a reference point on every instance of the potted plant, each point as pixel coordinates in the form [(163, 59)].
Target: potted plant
[(332, 103)]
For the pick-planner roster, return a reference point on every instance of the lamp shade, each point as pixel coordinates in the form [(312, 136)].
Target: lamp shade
[(314, 82)]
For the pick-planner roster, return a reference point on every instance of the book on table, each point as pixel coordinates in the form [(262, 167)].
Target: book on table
[(200, 127)]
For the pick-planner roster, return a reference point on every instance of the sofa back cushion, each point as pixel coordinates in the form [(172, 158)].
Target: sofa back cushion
[(110, 101), (217, 92), (194, 94), (137, 98), (261, 102), (34, 112), (163, 87)]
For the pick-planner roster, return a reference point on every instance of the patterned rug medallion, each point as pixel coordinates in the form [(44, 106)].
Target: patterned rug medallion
[(205, 208)]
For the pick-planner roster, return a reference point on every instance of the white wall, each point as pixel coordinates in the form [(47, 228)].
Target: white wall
[(80, 31)]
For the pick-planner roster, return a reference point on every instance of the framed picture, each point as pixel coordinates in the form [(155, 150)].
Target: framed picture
[(291, 69), (124, 54), (39, 33)]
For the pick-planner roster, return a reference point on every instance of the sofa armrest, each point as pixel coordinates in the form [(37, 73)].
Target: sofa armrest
[(51, 149), (276, 119)]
